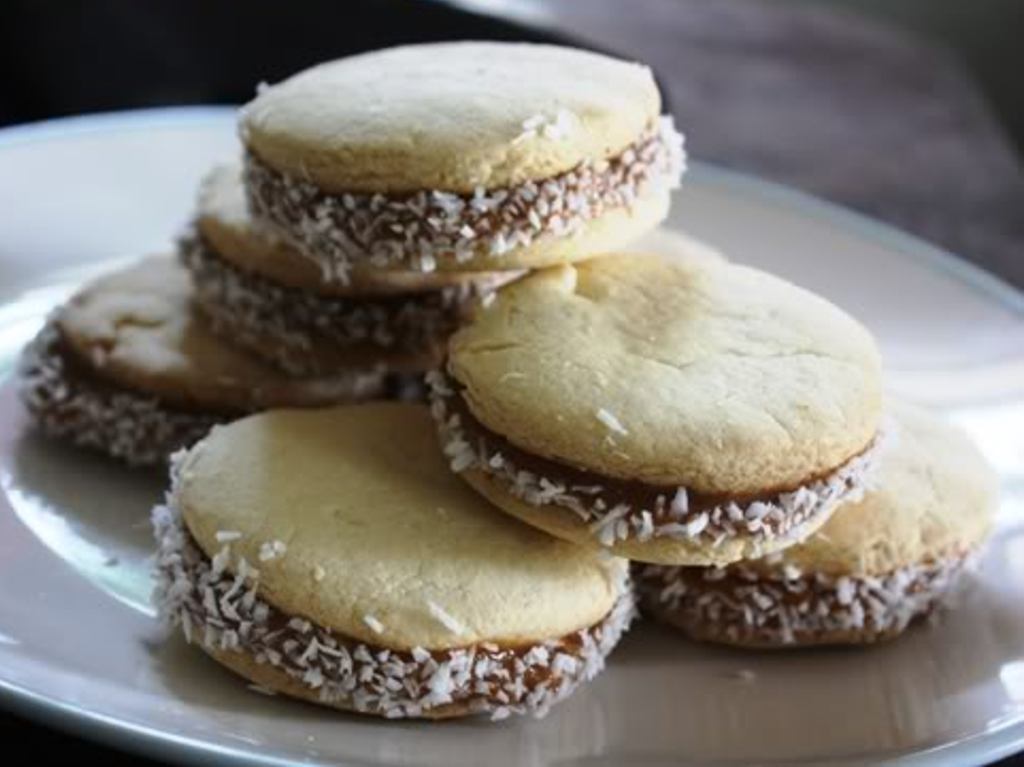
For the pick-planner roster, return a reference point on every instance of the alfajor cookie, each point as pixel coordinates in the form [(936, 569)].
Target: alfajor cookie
[(126, 367), (674, 410), (461, 156), (331, 556), (263, 295), (868, 573)]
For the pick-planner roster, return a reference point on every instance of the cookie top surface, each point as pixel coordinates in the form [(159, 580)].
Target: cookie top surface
[(378, 531), (935, 496), (672, 371), (136, 328), (450, 116), (223, 220)]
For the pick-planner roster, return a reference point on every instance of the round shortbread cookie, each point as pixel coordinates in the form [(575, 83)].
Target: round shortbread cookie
[(680, 410), (136, 329), (706, 374), (873, 568), (127, 368), (362, 538), (461, 156), (450, 116)]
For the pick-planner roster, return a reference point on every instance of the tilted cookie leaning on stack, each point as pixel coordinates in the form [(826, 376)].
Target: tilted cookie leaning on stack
[(461, 156), (874, 567), (261, 294), (126, 367), (332, 557), (675, 411)]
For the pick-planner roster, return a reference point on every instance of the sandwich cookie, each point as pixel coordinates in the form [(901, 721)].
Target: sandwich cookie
[(677, 411), (872, 569), (263, 295), (331, 556), (461, 156), (127, 368)]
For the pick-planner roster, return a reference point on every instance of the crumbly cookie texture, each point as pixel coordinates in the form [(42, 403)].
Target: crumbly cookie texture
[(69, 404), (495, 115), (225, 613), (696, 372), (610, 201), (647, 523), (935, 493), (137, 329)]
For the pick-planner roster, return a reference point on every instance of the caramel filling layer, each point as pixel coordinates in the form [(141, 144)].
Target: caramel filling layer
[(618, 510), (413, 231), (223, 611)]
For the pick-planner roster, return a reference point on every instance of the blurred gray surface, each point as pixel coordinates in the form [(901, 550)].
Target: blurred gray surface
[(857, 113)]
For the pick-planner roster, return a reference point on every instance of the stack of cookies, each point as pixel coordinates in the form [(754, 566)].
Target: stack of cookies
[(466, 207), (723, 429), (367, 221), (330, 555)]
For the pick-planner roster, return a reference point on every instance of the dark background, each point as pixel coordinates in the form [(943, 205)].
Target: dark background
[(74, 56), (909, 110), (78, 56)]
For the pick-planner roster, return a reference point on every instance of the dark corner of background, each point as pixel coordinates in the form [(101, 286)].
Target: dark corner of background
[(64, 57)]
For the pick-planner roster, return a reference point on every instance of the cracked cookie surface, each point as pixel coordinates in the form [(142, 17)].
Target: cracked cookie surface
[(704, 374)]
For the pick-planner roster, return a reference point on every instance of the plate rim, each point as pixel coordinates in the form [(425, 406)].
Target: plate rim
[(143, 740)]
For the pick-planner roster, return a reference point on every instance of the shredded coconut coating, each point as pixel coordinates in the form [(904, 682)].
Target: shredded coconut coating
[(783, 516), (282, 324), (223, 611), (414, 231), (786, 608), (130, 426)]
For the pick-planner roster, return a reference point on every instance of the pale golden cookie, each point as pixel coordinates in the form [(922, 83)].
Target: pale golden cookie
[(137, 329), (713, 375), (363, 538), (461, 156), (127, 367), (449, 116), (875, 566), (679, 410)]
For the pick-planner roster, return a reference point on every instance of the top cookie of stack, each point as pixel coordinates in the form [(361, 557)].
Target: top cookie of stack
[(515, 156)]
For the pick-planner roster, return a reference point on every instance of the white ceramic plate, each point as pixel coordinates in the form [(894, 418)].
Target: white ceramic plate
[(78, 644)]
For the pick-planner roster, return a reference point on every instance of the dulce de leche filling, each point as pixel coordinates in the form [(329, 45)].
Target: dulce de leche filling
[(224, 612), (413, 230), (618, 510), (780, 605)]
